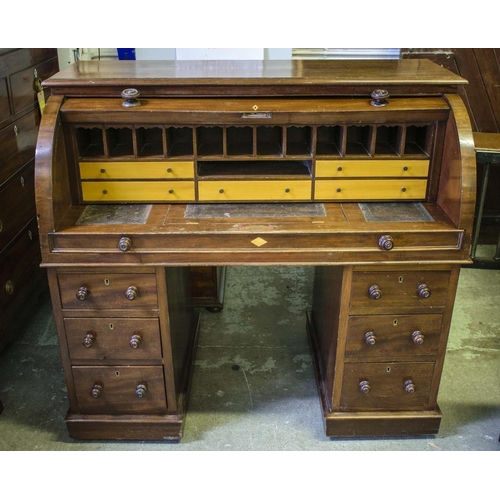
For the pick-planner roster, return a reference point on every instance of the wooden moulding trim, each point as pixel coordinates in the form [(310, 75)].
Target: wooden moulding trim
[(468, 161), (43, 169)]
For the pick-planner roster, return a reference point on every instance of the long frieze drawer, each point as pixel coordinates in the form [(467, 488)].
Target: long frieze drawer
[(108, 339), (372, 168), (137, 170), (393, 290), (161, 243), (138, 191), (393, 337), (370, 189), (107, 291), (282, 190), (384, 386), (120, 389)]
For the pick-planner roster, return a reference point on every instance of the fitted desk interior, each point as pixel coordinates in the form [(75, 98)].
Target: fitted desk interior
[(145, 170)]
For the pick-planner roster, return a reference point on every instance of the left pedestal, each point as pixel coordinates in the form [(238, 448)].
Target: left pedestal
[(128, 340)]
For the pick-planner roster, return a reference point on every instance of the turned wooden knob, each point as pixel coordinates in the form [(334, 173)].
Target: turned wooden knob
[(375, 292), (125, 244), (96, 391), (82, 293), (423, 291), (379, 98), (418, 337), (386, 242), (141, 390), (88, 341), (409, 386), (370, 338), (131, 292), (130, 96), (364, 386), (135, 341)]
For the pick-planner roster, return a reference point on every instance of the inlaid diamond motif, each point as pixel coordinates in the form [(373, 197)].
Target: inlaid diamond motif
[(258, 242)]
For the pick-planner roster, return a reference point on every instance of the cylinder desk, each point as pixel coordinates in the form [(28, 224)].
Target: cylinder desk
[(363, 169)]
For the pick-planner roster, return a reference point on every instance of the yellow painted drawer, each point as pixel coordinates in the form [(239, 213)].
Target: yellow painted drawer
[(137, 170), (370, 189), (138, 191), (372, 168), (254, 190)]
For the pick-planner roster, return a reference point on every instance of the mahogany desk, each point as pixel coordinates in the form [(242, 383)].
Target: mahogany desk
[(365, 170)]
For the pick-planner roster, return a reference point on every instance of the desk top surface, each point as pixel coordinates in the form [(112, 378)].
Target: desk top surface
[(304, 73)]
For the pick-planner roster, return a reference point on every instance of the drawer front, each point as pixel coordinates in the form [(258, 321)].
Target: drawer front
[(254, 190), (372, 189), (108, 291), (393, 337), (138, 191), (23, 83), (109, 339), (120, 389), (4, 100), (137, 170), (17, 144), (389, 291), (386, 386), (18, 275), (372, 168), (17, 205)]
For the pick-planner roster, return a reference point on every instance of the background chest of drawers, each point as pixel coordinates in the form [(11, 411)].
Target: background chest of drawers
[(21, 70)]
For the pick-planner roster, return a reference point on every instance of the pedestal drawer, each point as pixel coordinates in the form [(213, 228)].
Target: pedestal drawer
[(393, 337), (107, 291), (120, 389), (384, 386), (396, 290), (111, 339)]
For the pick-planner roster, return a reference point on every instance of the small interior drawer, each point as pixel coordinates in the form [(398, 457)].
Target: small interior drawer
[(120, 389), (370, 189), (138, 191), (137, 170), (247, 190), (372, 168)]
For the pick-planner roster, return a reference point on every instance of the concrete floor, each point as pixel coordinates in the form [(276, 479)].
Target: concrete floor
[(270, 402)]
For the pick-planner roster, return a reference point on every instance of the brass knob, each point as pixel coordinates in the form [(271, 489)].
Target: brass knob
[(130, 96), (423, 291), (88, 341), (386, 242), (82, 293), (364, 386), (96, 391), (370, 338), (125, 244), (9, 287), (135, 341), (375, 292), (131, 292), (379, 98), (418, 337), (141, 390), (409, 386)]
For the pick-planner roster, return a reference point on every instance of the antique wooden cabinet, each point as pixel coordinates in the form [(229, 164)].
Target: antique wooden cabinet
[(21, 74), (362, 169)]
